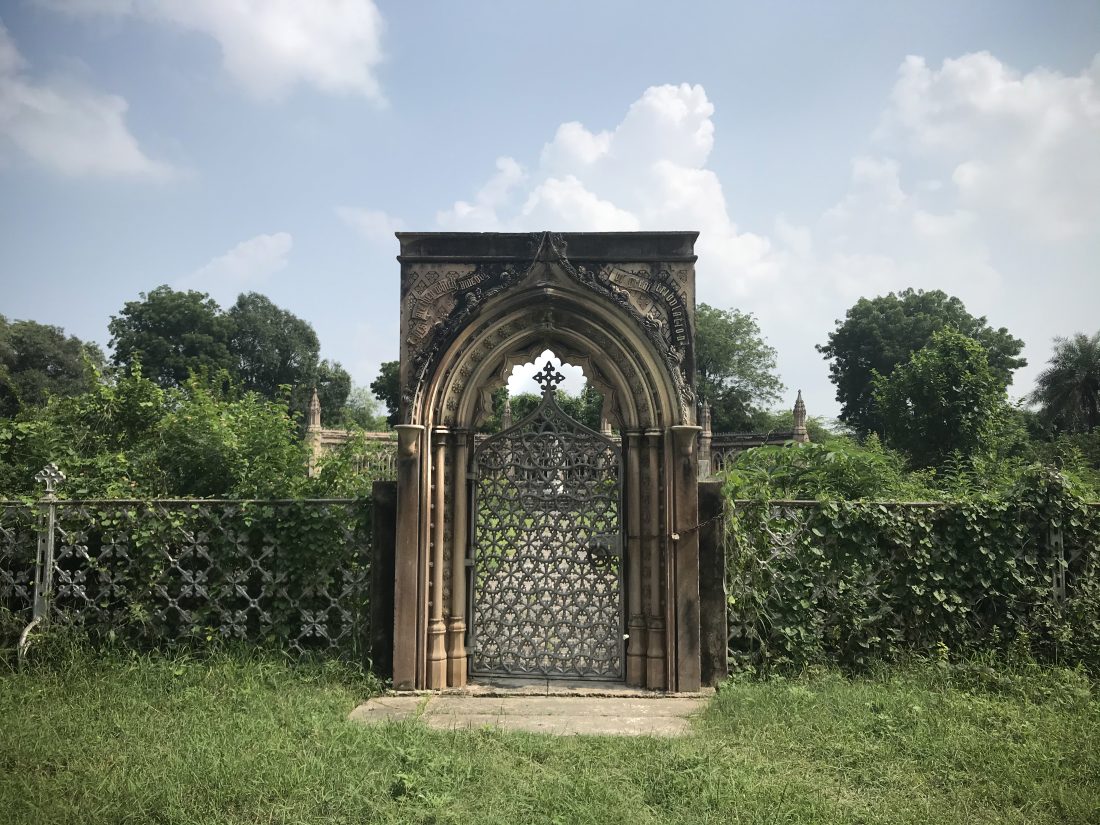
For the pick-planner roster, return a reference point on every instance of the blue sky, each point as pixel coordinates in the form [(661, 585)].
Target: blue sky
[(825, 151)]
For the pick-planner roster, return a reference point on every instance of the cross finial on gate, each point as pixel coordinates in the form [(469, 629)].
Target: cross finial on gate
[(51, 477), (548, 378)]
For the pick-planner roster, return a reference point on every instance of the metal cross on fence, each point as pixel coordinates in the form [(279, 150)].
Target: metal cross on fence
[(51, 477), (548, 378)]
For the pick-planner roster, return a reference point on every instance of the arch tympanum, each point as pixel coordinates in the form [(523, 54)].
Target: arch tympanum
[(620, 306)]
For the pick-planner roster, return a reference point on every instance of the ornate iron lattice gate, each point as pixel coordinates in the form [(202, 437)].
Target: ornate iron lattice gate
[(547, 549)]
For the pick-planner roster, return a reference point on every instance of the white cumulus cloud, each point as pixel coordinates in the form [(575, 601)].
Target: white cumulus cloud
[(980, 180), (649, 172), (1021, 146), (271, 46), (247, 266), (66, 126)]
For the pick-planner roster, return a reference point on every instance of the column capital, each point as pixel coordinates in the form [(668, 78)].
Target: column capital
[(408, 439), (683, 438)]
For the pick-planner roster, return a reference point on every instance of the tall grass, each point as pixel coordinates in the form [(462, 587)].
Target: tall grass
[(234, 738)]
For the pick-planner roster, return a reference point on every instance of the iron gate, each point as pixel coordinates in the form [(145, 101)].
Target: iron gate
[(547, 549)]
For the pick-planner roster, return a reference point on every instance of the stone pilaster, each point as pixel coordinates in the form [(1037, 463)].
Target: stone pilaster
[(456, 623), (437, 627), (407, 590), (635, 607)]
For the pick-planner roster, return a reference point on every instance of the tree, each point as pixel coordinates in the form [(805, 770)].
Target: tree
[(260, 346), (363, 410), (273, 348), (818, 429), (945, 398), (128, 437), (172, 334), (387, 388), (734, 367), (270, 346), (1068, 390), (585, 407), (37, 361), (333, 386), (880, 333)]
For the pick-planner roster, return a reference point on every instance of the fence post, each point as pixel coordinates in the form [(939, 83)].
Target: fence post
[(43, 569), (1056, 547)]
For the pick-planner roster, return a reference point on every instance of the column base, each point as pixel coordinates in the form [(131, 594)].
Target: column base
[(636, 652), (437, 655), (655, 656), (456, 653)]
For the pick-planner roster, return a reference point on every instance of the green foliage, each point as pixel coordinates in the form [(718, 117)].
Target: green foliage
[(782, 421), (37, 361), (1068, 390), (387, 388), (944, 399), (878, 334), (270, 346), (734, 367), (859, 581), (350, 469), (362, 410), (264, 573), (585, 407), (172, 335), (129, 437), (263, 348), (837, 469)]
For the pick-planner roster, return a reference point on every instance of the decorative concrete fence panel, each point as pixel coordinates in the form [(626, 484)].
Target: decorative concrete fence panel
[(287, 574)]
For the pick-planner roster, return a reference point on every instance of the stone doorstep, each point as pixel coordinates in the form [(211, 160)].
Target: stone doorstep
[(652, 715), (504, 687)]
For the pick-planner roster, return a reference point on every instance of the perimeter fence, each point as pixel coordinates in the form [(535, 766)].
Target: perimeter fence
[(292, 574), (852, 582)]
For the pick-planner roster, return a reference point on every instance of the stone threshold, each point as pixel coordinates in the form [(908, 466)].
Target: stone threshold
[(506, 687)]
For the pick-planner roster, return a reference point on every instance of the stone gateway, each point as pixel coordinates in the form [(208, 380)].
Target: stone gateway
[(549, 549)]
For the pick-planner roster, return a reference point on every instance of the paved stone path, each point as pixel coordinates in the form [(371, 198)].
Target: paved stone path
[(561, 715)]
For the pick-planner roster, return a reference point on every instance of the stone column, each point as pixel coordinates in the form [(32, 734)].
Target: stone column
[(456, 624), (406, 593), (705, 438), (437, 627), (636, 644), (655, 634), (685, 560)]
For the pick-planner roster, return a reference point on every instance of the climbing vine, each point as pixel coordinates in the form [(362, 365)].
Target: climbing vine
[(857, 581)]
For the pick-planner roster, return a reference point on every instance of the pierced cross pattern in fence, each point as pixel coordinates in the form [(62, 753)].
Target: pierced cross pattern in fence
[(288, 574)]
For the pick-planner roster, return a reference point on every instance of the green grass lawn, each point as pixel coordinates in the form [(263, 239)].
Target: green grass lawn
[(235, 740)]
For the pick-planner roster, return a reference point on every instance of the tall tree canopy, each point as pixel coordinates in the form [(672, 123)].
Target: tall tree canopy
[(387, 387), (1068, 390), (945, 398), (262, 346), (37, 361), (879, 333), (270, 346), (172, 334), (734, 367)]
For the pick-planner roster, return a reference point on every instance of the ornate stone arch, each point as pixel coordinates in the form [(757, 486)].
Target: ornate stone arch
[(621, 307)]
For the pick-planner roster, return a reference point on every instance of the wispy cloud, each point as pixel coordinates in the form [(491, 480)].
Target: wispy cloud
[(270, 46), (67, 127), (247, 266)]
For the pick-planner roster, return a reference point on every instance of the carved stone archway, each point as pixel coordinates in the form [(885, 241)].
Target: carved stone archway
[(621, 306)]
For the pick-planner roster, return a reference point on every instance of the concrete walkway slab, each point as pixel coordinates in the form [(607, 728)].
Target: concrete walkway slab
[(559, 715)]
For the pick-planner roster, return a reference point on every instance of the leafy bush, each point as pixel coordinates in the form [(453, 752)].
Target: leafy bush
[(127, 437), (856, 581), (838, 469)]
